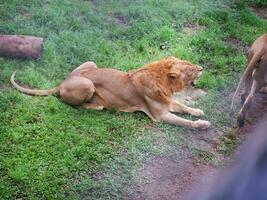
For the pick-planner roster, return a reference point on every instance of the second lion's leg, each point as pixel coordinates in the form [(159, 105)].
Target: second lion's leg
[(248, 83), (263, 89), (245, 107), (176, 106)]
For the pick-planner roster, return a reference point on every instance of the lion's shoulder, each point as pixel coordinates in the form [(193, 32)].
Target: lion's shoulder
[(150, 84)]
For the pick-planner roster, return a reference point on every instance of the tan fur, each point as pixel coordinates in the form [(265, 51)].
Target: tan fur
[(148, 89), (30, 91), (254, 76)]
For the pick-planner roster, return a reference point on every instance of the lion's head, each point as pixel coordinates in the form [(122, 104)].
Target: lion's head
[(168, 75), (174, 72), (183, 74)]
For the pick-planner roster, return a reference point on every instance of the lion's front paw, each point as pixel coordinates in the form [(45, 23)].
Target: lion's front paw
[(197, 112), (201, 124)]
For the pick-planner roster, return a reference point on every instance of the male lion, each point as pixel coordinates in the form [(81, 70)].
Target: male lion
[(254, 77), (147, 89)]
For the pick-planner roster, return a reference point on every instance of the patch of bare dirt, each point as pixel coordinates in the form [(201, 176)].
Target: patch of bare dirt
[(206, 140), (261, 12), (117, 20), (25, 12), (168, 179), (165, 178), (190, 27), (236, 44)]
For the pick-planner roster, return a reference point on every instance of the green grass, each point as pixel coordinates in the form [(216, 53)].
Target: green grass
[(49, 150)]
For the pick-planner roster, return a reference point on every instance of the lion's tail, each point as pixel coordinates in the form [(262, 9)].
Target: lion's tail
[(52, 91), (248, 72)]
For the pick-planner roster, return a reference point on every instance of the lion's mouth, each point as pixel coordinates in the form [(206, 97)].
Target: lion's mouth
[(193, 83)]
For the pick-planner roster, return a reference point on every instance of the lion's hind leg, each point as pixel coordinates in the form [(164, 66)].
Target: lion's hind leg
[(76, 90), (248, 84), (86, 65), (258, 81), (246, 105)]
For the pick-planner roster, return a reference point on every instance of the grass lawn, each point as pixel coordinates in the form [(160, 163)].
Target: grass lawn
[(49, 150)]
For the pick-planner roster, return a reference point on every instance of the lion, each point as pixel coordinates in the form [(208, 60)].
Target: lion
[(254, 77), (147, 89)]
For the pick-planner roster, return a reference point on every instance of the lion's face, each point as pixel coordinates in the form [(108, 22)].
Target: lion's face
[(170, 74), (183, 74)]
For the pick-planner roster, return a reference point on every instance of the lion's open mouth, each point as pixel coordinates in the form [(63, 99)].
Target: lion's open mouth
[(194, 82)]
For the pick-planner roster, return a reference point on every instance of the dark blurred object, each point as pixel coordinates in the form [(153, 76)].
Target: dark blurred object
[(247, 178), (19, 46)]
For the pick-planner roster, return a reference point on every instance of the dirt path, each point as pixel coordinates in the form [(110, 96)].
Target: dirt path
[(164, 178), (171, 179)]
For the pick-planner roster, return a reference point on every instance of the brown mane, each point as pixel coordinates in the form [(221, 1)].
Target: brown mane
[(154, 76)]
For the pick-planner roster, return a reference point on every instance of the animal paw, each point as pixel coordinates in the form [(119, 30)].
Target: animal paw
[(201, 124), (197, 112)]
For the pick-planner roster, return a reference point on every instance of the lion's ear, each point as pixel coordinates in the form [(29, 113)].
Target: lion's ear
[(173, 75)]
